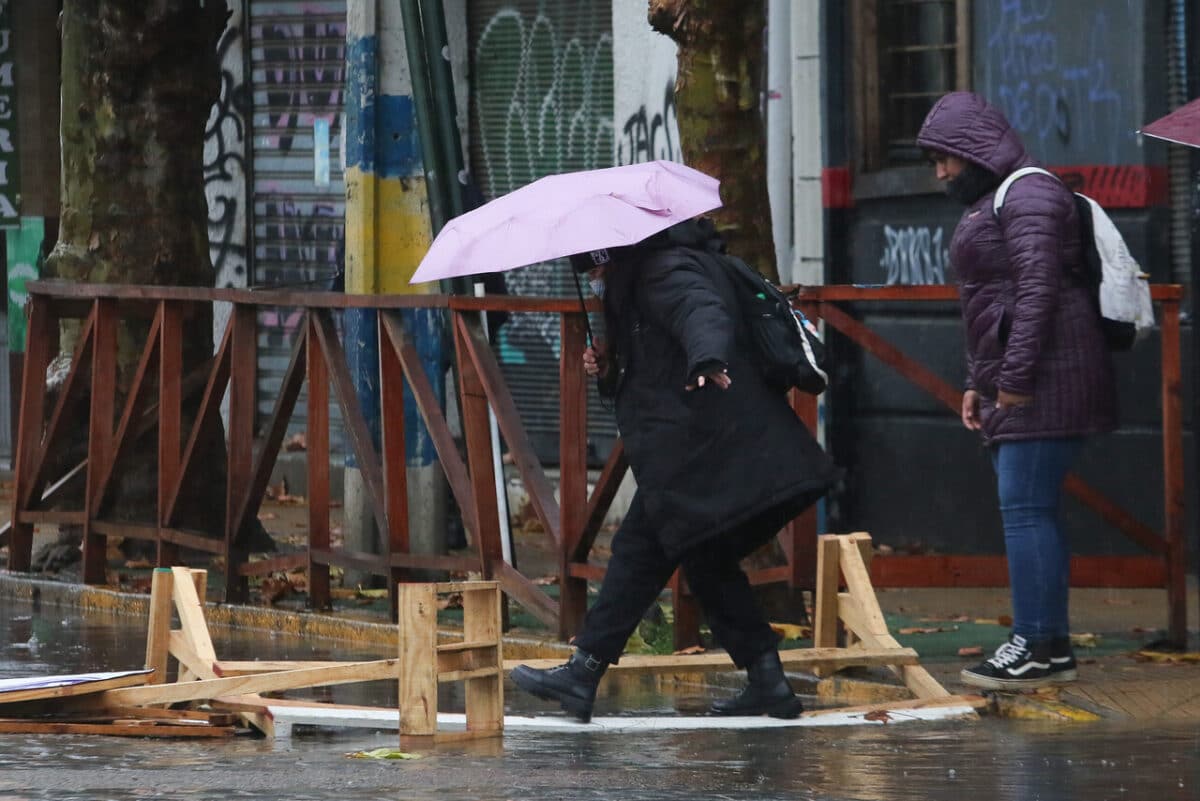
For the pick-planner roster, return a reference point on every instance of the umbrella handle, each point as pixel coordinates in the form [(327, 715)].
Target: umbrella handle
[(587, 323)]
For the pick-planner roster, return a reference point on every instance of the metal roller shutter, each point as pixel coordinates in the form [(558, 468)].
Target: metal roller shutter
[(297, 67), (541, 102)]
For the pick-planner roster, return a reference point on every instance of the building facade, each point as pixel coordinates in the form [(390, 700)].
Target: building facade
[(547, 86)]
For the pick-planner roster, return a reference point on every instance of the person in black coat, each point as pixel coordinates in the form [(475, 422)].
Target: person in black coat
[(720, 460)]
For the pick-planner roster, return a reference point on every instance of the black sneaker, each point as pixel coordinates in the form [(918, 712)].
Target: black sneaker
[(1062, 661), (1015, 666)]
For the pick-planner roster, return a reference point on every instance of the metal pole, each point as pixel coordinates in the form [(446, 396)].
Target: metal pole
[(1188, 14), (431, 155)]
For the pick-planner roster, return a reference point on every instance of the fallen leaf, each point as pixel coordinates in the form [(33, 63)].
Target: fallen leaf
[(546, 581), (272, 588), (689, 651), (879, 715), (371, 593), (94, 241), (971, 650), (133, 564), (1085, 640), (382, 753), (792, 631)]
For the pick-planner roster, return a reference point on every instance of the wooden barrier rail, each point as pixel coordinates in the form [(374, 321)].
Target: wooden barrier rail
[(1165, 565), (571, 522), (156, 397)]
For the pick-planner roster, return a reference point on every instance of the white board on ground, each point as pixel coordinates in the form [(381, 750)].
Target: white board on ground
[(27, 683), (286, 717)]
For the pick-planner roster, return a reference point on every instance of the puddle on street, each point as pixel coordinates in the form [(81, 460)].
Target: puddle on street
[(993, 760)]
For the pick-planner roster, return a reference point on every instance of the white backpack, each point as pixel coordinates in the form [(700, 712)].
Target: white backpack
[(1122, 289)]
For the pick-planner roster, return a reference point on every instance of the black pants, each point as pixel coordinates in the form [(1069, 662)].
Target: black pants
[(639, 570)]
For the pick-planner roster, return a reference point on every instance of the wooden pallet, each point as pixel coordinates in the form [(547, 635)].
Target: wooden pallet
[(844, 558), (419, 667), (477, 660)]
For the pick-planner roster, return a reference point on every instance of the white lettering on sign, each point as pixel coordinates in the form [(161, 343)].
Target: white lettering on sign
[(10, 176)]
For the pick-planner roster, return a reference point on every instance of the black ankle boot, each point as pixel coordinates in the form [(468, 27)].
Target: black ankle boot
[(573, 685), (767, 691)]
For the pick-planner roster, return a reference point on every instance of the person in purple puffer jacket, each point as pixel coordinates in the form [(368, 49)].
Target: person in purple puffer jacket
[(1039, 375)]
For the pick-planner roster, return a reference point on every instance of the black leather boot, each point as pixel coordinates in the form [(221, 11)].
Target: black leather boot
[(767, 691), (573, 685)]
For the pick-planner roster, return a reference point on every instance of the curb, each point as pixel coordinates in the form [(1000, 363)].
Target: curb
[(250, 618)]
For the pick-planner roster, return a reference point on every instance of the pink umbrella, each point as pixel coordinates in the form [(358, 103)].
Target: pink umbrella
[(569, 213), (1181, 126)]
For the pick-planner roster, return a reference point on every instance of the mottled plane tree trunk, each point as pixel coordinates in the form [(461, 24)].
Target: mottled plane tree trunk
[(139, 78), (718, 101)]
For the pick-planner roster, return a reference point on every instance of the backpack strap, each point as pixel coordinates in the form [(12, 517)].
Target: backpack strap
[(1002, 190)]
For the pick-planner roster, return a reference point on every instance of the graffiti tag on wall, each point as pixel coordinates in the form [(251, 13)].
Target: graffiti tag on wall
[(299, 226), (545, 110), (225, 162), (914, 255), (1057, 84), (646, 136)]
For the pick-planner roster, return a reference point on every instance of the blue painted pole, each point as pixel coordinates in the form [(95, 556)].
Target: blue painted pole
[(387, 234)]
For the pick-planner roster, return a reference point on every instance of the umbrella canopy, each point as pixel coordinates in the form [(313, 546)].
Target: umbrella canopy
[(569, 213), (1181, 126)]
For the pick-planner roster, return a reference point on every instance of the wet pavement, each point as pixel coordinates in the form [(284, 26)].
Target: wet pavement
[(992, 759)]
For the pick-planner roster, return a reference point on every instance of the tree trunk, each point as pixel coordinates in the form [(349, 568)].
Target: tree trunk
[(139, 78), (718, 99)]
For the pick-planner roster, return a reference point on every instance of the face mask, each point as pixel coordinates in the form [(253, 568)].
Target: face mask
[(597, 285)]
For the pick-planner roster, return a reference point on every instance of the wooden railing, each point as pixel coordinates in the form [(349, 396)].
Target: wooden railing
[(1165, 562), (155, 400)]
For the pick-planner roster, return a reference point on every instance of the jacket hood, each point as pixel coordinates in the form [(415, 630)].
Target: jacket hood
[(963, 124), (698, 233)]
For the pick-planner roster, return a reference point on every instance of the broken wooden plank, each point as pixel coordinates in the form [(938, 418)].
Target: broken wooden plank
[(719, 660), (68, 686), (247, 685), (114, 729), (970, 701), (229, 668)]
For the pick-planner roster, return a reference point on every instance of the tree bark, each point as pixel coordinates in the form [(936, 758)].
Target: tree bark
[(718, 99), (139, 78)]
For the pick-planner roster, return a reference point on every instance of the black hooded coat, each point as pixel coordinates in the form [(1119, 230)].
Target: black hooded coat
[(708, 462)]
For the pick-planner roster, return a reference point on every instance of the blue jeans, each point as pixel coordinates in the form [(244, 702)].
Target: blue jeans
[(1029, 479)]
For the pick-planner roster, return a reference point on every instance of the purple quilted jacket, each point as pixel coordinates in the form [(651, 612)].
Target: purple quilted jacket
[(1031, 328)]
